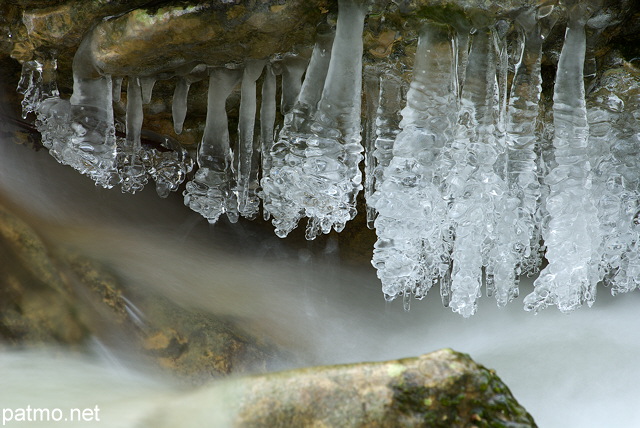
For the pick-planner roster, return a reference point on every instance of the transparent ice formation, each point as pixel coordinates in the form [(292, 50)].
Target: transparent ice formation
[(412, 250), (573, 232), (472, 176), (133, 174), (181, 93), (167, 162), (267, 123), (613, 148), (210, 193), (248, 144), (475, 191), (517, 254), (384, 91), (80, 132), (314, 164)]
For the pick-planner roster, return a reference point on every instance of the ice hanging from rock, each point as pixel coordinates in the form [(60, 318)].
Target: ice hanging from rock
[(165, 161), (573, 234), (248, 145), (293, 68), (210, 193), (314, 164), (384, 91), (31, 86), (462, 180), (475, 191), (267, 123), (305, 105), (412, 250), (516, 253), (181, 93), (613, 143), (132, 172), (78, 132)]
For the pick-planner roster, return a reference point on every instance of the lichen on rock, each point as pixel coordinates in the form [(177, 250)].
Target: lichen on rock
[(440, 389)]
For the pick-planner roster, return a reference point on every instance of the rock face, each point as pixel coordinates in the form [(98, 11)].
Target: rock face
[(441, 389), (127, 45)]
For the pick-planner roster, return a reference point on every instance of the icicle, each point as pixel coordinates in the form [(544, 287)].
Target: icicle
[(30, 85), (388, 120), (181, 93), (596, 26), (49, 78), (134, 115), (573, 234), (53, 119), (293, 67), (210, 192), (314, 170), (248, 202), (626, 150), (499, 38), (311, 90), (411, 251), (267, 121), (463, 32), (309, 94), (371, 87), (132, 172), (167, 167), (117, 89), (146, 86), (475, 190), (614, 134), (91, 149), (516, 229), (179, 105), (37, 84), (609, 192), (387, 126)]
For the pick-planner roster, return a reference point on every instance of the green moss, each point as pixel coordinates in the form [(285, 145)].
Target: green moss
[(447, 14), (473, 395)]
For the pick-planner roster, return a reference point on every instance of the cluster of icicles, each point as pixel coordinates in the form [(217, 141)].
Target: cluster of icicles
[(462, 190)]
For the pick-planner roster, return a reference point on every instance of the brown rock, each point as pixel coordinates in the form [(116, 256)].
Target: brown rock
[(210, 33), (441, 389), (35, 301), (50, 295)]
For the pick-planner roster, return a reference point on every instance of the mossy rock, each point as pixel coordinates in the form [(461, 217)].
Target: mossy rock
[(441, 389)]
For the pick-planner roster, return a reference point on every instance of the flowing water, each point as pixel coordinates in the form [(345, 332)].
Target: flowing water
[(577, 370)]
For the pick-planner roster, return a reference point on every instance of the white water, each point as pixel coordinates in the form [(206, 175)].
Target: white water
[(576, 370)]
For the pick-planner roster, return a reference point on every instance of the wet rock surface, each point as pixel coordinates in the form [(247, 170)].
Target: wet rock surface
[(35, 304), (440, 389), (51, 295)]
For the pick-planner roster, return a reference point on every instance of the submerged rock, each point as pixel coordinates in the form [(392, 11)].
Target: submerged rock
[(441, 389), (35, 303), (50, 295)]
